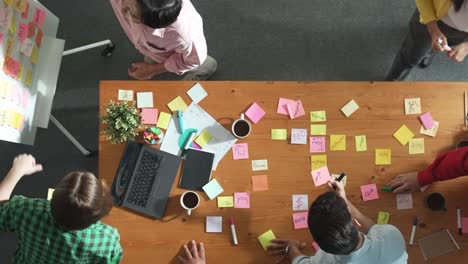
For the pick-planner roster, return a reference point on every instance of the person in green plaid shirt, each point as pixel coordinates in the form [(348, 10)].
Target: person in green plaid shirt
[(65, 230)]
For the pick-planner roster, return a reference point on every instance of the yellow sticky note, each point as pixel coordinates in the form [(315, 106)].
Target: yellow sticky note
[(34, 55), (20, 5), (177, 104), (15, 119), (163, 120), (10, 46), (203, 138), (383, 218), (430, 132), (50, 192), (28, 80), (318, 161), (19, 77), (266, 238), (279, 134), (338, 142), (416, 146), (403, 135), (225, 201), (12, 28), (8, 2), (383, 156), (361, 143), (318, 116), (318, 129)]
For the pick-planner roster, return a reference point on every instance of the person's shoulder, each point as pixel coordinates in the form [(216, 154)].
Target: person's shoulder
[(109, 231), (21, 202)]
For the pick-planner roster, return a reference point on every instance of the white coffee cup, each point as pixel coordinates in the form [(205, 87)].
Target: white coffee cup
[(189, 201), (241, 127)]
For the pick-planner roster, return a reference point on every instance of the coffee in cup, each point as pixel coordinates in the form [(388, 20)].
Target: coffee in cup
[(189, 201), (241, 127)]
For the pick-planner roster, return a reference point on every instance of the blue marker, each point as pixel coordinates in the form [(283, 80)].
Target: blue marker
[(181, 121)]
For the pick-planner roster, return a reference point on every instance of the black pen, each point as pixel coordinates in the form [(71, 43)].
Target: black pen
[(342, 175)]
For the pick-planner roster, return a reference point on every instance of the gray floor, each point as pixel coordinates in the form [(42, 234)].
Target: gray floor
[(252, 40)]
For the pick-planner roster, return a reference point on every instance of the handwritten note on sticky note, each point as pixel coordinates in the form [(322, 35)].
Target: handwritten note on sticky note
[(300, 202), (149, 116), (259, 165), (361, 143), (26, 47), (317, 144), (177, 104), (337, 142), (255, 113), (214, 224), (403, 135), (318, 161), (282, 106), (416, 146), (318, 116), (260, 183), (5, 17), (465, 225), (382, 218), (318, 130), (295, 109), (22, 31), (383, 156), (11, 67), (300, 220), (163, 120), (225, 201), (298, 136), (350, 108), (241, 200), (39, 16), (240, 151), (10, 46), (203, 138), (20, 5), (404, 201), (412, 106), (212, 189), (426, 120), (321, 176), (279, 134), (430, 132), (266, 238), (369, 192), (50, 193), (197, 93), (125, 95)]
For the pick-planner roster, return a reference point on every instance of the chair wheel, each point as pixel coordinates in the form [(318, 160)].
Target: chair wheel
[(107, 51)]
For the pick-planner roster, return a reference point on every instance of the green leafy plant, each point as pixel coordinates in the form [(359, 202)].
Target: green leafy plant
[(121, 121)]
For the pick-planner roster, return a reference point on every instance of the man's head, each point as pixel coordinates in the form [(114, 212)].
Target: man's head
[(331, 225), (152, 13), (79, 201)]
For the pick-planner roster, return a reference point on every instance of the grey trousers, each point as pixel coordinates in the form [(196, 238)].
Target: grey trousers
[(417, 45)]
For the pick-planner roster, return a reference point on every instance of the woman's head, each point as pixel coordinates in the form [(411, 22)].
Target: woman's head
[(152, 13)]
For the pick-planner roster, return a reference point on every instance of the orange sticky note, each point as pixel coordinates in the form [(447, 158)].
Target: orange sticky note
[(260, 183)]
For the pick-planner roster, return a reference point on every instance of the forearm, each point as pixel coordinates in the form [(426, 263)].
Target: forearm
[(158, 68), (8, 184), (365, 222), (293, 253)]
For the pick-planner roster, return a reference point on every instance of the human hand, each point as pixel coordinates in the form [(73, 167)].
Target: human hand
[(141, 71), (338, 187), (194, 255), (407, 182), (284, 246), (459, 52), (436, 34), (25, 164)]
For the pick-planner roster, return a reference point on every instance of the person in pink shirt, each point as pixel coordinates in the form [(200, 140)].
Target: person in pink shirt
[(169, 34)]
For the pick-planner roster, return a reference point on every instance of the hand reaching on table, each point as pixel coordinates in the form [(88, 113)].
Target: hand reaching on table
[(288, 248), (407, 182), (194, 255)]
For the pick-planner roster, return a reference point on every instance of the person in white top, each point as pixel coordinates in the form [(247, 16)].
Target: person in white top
[(344, 235)]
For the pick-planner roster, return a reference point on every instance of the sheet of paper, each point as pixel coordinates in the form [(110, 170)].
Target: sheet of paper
[(295, 109), (212, 189), (240, 151), (39, 16), (149, 116), (225, 201), (465, 225), (369, 192), (241, 200), (426, 120), (383, 156), (282, 106), (125, 95), (177, 104), (361, 143), (298, 136), (416, 146), (403, 135), (22, 31), (279, 134), (404, 201), (350, 108), (197, 93), (145, 100), (50, 192), (259, 165), (412, 106), (320, 130), (214, 224), (259, 183), (430, 132), (255, 113), (318, 116), (317, 144), (318, 161), (382, 218), (300, 202), (203, 138), (266, 238), (300, 220), (321, 176), (337, 142)]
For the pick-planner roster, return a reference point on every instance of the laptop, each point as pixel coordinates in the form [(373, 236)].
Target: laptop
[(144, 179)]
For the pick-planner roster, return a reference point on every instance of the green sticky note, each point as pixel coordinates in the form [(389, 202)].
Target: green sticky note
[(279, 134), (225, 201), (383, 218), (318, 116), (361, 143), (266, 238), (318, 129), (203, 138), (163, 120)]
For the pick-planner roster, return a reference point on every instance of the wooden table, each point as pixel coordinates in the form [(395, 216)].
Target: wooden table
[(380, 114)]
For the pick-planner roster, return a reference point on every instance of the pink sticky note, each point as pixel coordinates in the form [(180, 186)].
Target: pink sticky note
[(404, 201), (315, 245), (369, 192), (255, 113), (241, 200), (321, 176), (31, 29), (282, 106), (1, 38), (300, 220), (295, 109), (317, 144), (427, 120), (196, 146), (26, 11), (22, 31), (149, 116), (240, 151), (465, 225), (39, 16)]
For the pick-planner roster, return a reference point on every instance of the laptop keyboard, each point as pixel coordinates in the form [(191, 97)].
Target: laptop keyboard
[(144, 177)]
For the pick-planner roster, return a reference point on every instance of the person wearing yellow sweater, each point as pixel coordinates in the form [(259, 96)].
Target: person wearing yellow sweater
[(436, 26)]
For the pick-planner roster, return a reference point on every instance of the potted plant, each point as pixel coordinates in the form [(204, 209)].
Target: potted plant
[(121, 121)]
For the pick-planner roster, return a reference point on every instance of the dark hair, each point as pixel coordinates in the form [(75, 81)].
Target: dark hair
[(457, 4), (331, 225), (159, 13), (79, 201)]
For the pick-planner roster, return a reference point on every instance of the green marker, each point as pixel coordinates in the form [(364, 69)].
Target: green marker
[(387, 188)]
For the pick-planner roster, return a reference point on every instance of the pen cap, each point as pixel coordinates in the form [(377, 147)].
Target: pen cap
[(231, 220)]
